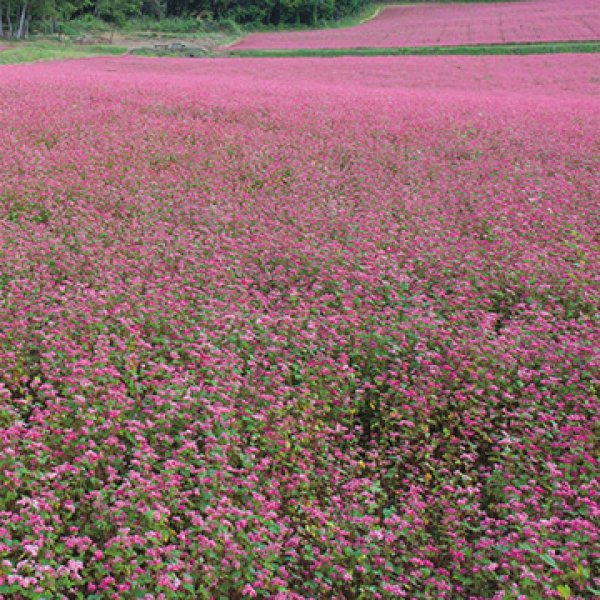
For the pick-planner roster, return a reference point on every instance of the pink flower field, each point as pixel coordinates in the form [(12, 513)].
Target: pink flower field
[(300, 328), (451, 24)]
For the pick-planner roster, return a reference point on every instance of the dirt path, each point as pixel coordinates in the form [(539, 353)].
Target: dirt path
[(156, 41)]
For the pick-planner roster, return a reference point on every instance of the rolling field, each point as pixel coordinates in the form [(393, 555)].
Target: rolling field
[(297, 328), (449, 25)]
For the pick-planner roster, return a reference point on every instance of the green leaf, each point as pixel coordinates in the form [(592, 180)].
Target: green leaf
[(564, 591), (7, 589), (549, 561)]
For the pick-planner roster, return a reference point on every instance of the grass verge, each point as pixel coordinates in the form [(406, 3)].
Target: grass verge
[(23, 52), (467, 50)]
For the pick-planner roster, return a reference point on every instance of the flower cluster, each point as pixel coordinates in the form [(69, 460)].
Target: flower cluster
[(449, 25), (282, 332)]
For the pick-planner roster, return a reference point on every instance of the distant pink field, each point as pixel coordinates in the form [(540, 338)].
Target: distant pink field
[(230, 81), (451, 24)]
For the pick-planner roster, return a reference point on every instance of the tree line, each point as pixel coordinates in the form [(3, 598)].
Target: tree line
[(17, 17)]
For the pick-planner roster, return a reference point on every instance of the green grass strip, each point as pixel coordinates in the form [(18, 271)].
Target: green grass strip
[(23, 52), (467, 50)]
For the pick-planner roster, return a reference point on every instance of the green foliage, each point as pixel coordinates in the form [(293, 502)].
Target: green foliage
[(84, 24), (177, 25), (181, 26), (117, 11), (34, 51)]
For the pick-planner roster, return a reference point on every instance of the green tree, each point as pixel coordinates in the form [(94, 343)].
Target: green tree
[(116, 12)]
